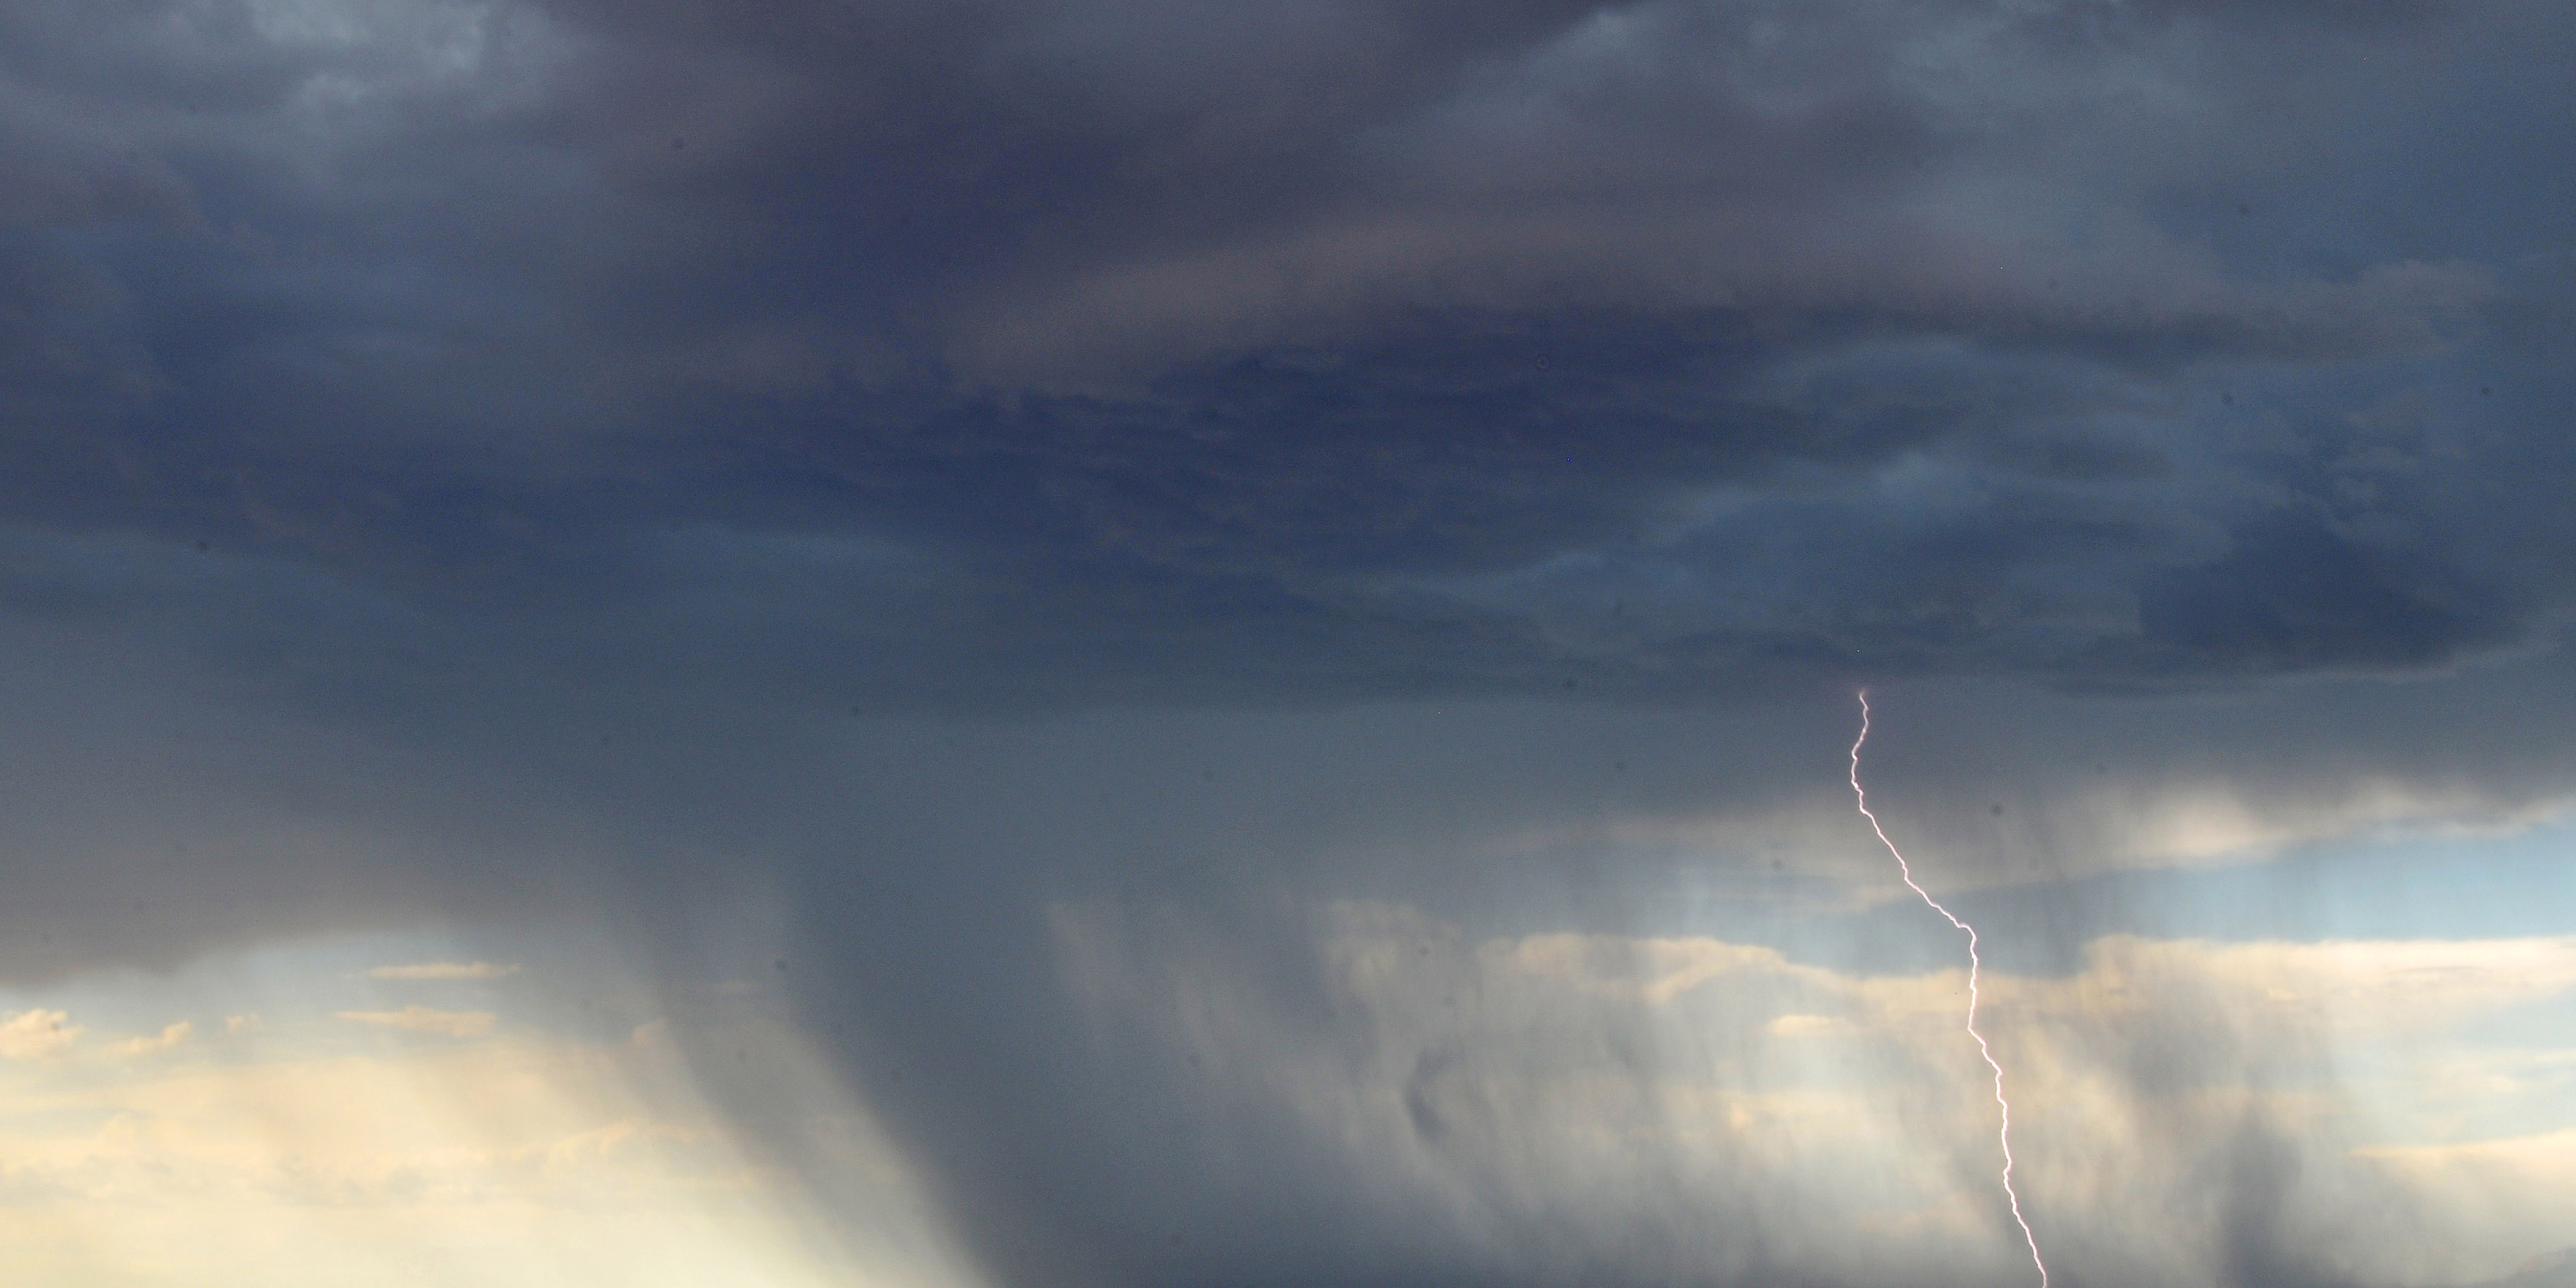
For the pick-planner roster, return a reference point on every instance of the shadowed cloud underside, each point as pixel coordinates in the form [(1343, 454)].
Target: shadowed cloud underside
[(1238, 620)]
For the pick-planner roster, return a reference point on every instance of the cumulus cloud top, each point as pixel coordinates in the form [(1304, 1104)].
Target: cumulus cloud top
[(37, 1035), (170, 1038)]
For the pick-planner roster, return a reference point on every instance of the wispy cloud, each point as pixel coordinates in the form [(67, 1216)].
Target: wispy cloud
[(423, 1019), (446, 970)]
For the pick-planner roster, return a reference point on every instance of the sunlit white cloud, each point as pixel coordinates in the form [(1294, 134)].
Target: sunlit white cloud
[(425, 1019), (2211, 822), (1792, 1025), (37, 1035), (168, 1039), (2494, 1190), (296, 1154)]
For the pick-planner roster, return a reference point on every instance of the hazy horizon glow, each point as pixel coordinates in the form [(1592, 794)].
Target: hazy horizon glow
[(1133, 644)]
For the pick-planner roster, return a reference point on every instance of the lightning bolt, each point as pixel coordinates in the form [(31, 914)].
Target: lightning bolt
[(1907, 869)]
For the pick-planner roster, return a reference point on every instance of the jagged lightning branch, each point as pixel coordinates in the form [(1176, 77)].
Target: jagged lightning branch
[(1907, 869)]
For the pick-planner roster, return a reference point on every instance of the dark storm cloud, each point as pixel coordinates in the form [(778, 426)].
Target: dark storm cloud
[(2291, 595), (523, 437), (1144, 319)]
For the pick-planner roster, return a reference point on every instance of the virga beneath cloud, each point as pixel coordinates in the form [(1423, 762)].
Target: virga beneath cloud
[(1162, 585)]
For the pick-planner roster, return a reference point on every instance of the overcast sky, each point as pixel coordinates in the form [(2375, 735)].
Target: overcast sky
[(1234, 631)]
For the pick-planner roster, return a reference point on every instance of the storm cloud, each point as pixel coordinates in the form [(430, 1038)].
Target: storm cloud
[(1128, 521)]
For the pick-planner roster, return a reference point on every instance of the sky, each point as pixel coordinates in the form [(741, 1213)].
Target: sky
[(1125, 644)]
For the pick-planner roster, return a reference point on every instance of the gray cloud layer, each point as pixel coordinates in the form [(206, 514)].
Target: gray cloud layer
[(1703, 344), (472, 457)]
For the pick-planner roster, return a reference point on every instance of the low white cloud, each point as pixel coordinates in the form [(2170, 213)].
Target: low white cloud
[(170, 1038), (2204, 823), (37, 1035), (237, 1025), (423, 1019), (1617, 1088), (527, 1159), (2494, 1189), (2361, 986), (1793, 1025), (446, 970)]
